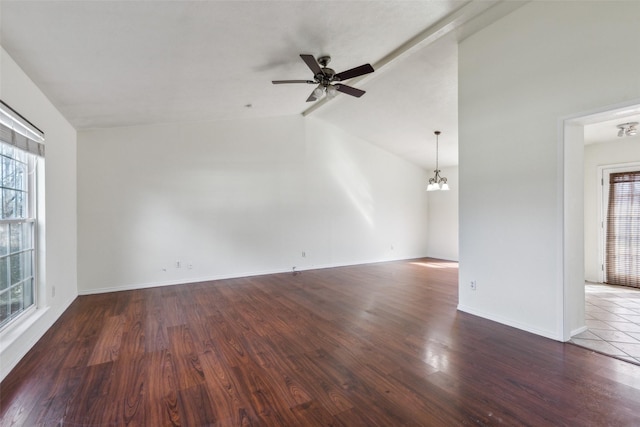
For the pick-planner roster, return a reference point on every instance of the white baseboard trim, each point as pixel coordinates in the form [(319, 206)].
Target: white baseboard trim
[(579, 330), (134, 286), (183, 281), (510, 322)]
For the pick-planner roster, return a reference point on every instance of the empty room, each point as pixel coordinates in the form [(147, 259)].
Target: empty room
[(316, 213)]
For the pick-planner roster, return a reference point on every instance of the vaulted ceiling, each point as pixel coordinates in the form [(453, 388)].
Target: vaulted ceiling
[(124, 63)]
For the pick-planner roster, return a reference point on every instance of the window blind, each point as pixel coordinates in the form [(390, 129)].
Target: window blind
[(623, 229), (19, 132)]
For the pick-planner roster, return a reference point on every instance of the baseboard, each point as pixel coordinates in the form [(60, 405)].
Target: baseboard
[(510, 322), (183, 281), (134, 286), (579, 330)]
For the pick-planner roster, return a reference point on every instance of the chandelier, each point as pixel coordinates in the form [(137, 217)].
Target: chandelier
[(437, 182)]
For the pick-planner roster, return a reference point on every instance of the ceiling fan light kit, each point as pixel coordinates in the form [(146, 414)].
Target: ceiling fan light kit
[(327, 79), (317, 92), (437, 182)]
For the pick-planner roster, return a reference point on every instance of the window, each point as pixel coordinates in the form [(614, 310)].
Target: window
[(16, 233), (18, 140)]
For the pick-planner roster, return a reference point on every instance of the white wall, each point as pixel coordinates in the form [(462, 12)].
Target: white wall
[(442, 239), (518, 78), (624, 150), (572, 247), (239, 198), (59, 225)]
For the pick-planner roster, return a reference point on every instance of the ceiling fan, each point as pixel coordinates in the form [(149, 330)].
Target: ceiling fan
[(327, 79)]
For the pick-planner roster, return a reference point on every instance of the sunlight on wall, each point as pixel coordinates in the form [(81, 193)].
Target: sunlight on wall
[(239, 198), (352, 182)]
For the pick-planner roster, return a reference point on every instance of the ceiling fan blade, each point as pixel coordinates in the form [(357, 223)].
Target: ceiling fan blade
[(279, 82), (354, 72), (311, 63), (312, 97), (350, 90)]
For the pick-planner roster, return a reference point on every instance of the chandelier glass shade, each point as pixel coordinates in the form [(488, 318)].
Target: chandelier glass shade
[(438, 182)]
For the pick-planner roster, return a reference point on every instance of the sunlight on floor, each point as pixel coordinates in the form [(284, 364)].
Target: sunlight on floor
[(437, 264), (612, 315)]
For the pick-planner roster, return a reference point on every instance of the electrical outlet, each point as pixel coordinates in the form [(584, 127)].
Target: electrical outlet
[(304, 254), (178, 264), (190, 266), (474, 285), (53, 292)]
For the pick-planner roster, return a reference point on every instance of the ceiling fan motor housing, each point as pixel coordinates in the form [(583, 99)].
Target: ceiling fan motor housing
[(327, 74), (324, 76), (324, 60)]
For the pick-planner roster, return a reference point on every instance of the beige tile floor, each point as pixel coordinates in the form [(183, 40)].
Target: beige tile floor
[(613, 317)]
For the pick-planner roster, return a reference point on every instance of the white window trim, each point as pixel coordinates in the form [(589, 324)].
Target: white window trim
[(32, 214)]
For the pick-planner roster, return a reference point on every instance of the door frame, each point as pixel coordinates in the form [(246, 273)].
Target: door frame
[(571, 295), (603, 205)]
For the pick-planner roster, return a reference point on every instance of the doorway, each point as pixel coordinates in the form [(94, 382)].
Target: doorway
[(591, 141)]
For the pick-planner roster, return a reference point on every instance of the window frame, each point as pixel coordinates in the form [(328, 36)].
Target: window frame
[(30, 217), (603, 205), (606, 274)]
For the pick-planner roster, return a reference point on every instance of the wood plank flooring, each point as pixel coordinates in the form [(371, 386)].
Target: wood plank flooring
[(372, 345)]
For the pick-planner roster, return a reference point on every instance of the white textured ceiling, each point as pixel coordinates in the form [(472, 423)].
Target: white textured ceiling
[(123, 63), (607, 130), (406, 103)]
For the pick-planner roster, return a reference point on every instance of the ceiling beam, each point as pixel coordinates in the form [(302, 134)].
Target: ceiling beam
[(452, 22)]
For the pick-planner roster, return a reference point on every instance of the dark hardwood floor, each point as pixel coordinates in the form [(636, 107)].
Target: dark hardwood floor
[(373, 345)]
